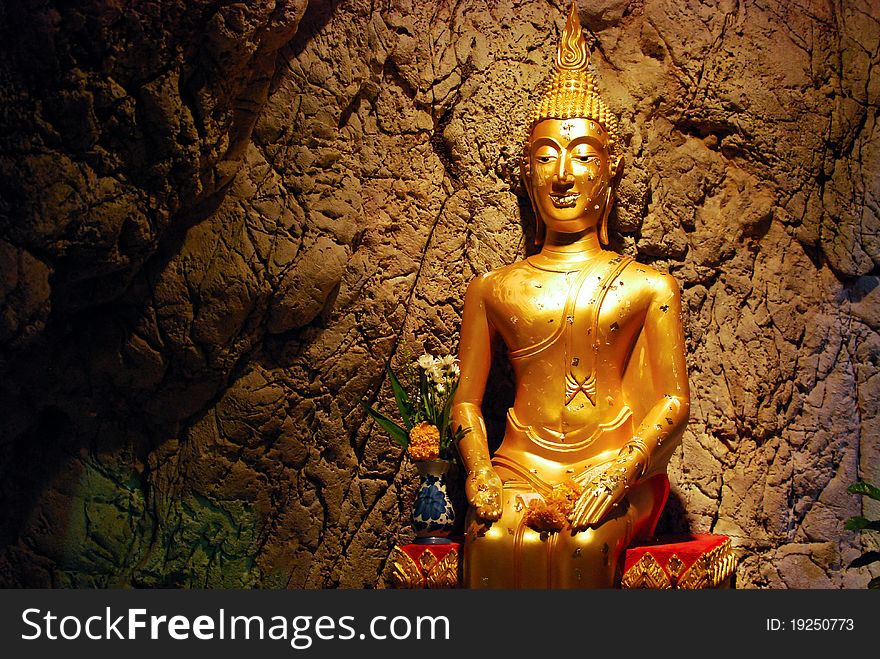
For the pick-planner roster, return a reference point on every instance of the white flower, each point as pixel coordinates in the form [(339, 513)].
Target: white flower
[(435, 373), (455, 371), (448, 361), (440, 387), (425, 362)]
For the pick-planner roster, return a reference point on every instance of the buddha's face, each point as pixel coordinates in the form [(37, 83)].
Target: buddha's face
[(569, 173)]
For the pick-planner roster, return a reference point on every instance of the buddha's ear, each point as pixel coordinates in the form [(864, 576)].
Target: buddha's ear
[(525, 173), (617, 173), (617, 169), (606, 211), (525, 170)]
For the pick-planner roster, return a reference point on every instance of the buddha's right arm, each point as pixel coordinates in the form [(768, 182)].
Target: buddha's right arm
[(474, 359), (483, 485), (474, 446)]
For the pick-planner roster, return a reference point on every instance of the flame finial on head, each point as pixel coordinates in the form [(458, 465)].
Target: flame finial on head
[(571, 91), (572, 53)]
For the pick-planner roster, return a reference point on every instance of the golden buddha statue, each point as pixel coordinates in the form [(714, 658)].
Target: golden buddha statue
[(596, 345)]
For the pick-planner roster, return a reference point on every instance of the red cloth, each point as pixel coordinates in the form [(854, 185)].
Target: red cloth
[(415, 551), (687, 547), (659, 484)]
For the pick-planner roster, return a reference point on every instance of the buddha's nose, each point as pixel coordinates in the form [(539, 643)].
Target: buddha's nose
[(563, 174)]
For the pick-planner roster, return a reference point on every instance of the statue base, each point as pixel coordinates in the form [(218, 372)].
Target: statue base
[(427, 563), (691, 561)]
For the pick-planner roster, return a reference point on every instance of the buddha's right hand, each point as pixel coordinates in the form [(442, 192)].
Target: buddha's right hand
[(483, 489)]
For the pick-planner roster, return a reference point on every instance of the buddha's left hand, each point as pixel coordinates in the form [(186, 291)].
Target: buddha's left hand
[(605, 491)]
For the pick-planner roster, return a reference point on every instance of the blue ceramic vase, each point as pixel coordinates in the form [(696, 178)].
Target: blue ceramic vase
[(433, 516)]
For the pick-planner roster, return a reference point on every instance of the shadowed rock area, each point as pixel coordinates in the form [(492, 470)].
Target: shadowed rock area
[(218, 220)]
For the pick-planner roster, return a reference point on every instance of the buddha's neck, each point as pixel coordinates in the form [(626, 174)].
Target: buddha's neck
[(569, 249)]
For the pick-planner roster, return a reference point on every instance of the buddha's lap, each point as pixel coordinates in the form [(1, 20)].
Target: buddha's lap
[(508, 554), (623, 523)]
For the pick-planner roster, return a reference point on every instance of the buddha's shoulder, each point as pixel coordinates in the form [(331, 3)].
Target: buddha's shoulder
[(494, 283), (515, 268), (650, 277), (493, 278)]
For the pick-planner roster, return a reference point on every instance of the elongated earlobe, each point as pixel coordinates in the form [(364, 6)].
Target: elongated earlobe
[(616, 175), (525, 171), (606, 211)]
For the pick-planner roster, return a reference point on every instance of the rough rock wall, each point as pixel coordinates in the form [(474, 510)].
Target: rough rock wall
[(217, 223)]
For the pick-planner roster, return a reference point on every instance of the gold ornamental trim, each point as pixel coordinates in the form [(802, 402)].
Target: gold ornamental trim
[(674, 566), (404, 572), (444, 573), (427, 560), (425, 571), (711, 569), (646, 573)]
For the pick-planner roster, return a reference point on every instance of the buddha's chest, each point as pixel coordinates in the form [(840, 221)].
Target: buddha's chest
[(536, 310)]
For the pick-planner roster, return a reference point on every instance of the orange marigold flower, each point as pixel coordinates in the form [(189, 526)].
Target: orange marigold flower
[(551, 513), (424, 442), (542, 517), (564, 496)]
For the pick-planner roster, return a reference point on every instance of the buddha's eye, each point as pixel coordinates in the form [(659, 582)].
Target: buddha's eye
[(545, 158)]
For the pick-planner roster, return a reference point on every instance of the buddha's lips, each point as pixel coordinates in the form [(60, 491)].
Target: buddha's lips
[(564, 200)]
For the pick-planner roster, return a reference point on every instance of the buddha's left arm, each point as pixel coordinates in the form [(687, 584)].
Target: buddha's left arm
[(647, 453), (660, 431)]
